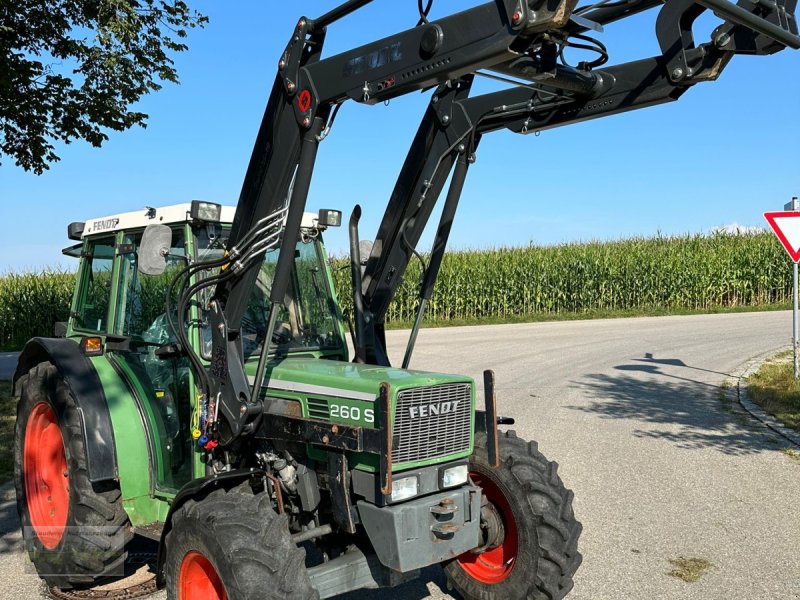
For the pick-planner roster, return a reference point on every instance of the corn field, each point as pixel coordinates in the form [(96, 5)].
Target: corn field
[(685, 272), (661, 273), (30, 305)]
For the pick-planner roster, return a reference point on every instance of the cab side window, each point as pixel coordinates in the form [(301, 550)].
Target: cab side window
[(95, 294), (140, 314)]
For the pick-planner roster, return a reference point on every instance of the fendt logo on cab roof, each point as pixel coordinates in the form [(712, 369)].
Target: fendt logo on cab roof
[(105, 224), (429, 410)]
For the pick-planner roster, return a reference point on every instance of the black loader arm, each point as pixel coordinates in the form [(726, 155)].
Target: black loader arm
[(306, 90), (547, 94)]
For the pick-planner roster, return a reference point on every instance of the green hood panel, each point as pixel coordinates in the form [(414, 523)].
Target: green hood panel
[(364, 380), (343, 392)]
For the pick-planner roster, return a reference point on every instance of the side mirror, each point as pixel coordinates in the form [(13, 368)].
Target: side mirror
[(154, 248)]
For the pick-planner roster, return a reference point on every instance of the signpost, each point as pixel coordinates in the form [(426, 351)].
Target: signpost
[(786, 225)]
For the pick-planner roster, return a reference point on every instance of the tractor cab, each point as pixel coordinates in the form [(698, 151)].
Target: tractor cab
[(119, 311)]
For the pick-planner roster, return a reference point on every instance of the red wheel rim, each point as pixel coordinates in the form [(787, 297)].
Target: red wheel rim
[(198, 579), (495, 565), (46, 476)]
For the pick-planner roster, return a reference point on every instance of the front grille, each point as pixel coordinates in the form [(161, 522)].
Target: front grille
[(428, 424), (318, 409)]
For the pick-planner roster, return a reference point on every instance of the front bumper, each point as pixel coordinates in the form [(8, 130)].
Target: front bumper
[(424, 531)]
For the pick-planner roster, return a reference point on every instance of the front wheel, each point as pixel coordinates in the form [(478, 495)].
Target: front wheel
[(232, 545), (530, 535)]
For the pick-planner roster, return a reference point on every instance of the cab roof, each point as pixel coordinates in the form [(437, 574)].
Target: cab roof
[(166, 215)]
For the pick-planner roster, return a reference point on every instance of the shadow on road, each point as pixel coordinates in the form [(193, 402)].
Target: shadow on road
[(10, 538), (414, 590), (696, 414)]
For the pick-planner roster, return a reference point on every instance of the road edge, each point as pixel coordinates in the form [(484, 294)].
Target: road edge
[(740, 375)]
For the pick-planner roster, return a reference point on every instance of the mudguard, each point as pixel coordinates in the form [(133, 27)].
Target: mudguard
[(84, 383), (193, 489)]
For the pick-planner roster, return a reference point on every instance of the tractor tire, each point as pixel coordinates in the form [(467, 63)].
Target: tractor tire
[(537, 554), (75, 531), (232, 545)]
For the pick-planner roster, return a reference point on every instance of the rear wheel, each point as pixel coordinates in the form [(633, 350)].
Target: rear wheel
[(232, 545), (75, 532), (530, 535)]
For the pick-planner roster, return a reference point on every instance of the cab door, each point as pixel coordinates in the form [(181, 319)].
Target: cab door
[(163, 385)]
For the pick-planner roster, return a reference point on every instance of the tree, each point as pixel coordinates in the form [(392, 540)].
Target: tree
[(72, 69)]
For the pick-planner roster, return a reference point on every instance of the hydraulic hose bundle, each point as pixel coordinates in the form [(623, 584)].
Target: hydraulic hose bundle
[(264, 235)]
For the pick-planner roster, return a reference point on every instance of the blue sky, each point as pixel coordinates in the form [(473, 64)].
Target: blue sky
[(725, 153)]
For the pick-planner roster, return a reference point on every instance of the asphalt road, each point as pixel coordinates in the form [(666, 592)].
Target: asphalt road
[(661, 467), (8, 364)]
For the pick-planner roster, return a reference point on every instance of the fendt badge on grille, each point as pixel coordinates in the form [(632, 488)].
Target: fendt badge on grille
[(428, 410)]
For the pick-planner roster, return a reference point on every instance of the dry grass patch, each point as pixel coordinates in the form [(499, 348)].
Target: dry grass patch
[(689, 569), (792, 453), (774, 389)]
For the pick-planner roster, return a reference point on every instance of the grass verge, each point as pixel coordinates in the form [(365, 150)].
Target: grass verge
[(586, 315), (8, 412), (774, 389)]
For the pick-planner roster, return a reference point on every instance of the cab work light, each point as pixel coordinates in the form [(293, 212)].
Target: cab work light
[(329, 218), (208, 212)]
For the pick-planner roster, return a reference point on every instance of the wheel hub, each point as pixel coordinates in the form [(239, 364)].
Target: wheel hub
[(46, 476), (493, 561), (492, 528)]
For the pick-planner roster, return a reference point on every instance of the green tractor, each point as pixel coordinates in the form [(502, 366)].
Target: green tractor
[(203, 393), (110, 441)]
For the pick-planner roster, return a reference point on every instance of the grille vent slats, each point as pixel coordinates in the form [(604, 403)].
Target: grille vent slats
[(432, 435), (318, 409)]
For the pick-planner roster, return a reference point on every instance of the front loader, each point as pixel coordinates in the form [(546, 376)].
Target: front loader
[(202, 391)]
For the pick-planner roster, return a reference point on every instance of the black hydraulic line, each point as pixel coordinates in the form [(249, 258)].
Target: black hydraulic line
[(266, 184), (740, 16), (561, 77), (297, 204), (446, 223), (337, 13), (439, 247), (358, 297), (183, 338), (423, 176), (291, 233), (604, 15)]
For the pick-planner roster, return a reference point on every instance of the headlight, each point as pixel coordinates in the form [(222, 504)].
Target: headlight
[(454, 476), (404, 488)]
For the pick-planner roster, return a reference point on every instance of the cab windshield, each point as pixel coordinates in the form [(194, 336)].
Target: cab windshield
[(307, 321)]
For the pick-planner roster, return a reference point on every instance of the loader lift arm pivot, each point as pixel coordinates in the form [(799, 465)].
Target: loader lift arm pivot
[(509, 37)]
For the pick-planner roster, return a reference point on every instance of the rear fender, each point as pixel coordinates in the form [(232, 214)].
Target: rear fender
[(84, 383)]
